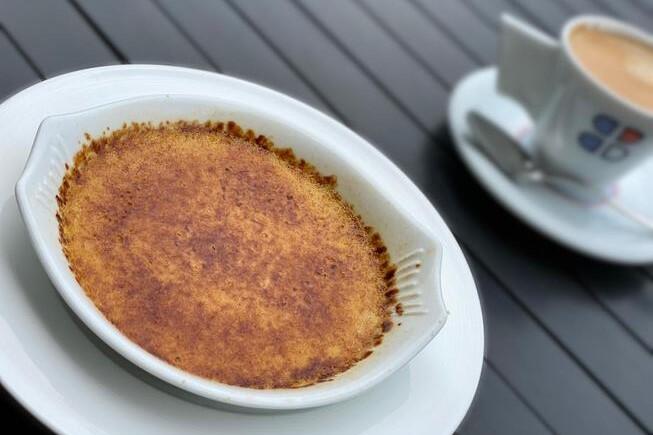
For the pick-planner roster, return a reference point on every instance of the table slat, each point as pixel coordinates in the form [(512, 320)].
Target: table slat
[(488, 11), (498, 410), (350, 28), (54, 35), (143, 34), (549, 14), (625, 293), (627, 11), (541, 370), (586, 6), (459, 22), (645, 5), (429, 44), (15, 71)]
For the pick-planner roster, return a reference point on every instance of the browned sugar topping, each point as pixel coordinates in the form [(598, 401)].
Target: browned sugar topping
[(224, 255)]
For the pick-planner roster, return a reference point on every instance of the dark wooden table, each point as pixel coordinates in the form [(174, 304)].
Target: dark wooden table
[(570, 340)]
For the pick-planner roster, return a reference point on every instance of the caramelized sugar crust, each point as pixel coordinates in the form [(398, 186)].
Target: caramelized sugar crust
[(224, 255)]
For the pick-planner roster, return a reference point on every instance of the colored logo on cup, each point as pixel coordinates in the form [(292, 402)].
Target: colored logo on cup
[(604, 127), (630, 135), (605, 124)]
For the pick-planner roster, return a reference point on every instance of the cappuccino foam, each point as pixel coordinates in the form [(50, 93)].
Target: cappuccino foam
[(621, 63)]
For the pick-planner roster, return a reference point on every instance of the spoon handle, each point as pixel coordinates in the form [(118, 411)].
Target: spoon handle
[(505, 152), (539, 176), (630, 214)]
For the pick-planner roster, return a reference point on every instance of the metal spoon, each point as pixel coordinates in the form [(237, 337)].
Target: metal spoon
[(506, 153)]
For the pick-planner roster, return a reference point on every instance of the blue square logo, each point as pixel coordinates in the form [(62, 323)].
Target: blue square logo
[(589, 141), (605, 124)]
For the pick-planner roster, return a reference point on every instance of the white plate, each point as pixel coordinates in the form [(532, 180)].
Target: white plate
[(597, 231), (52, 367)]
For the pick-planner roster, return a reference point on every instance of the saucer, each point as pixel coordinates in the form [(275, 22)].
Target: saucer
[(51, 365), (594, 230)]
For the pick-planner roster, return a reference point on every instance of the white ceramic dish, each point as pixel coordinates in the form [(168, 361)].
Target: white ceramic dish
[(409, 243)]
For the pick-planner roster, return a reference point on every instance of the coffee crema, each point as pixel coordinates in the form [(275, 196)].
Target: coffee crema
[(224, 255), (621, 63)]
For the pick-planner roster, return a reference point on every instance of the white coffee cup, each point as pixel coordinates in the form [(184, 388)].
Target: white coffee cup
[(583, 130)]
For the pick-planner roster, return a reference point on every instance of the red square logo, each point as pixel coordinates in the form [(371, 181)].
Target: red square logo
[(630, 135)]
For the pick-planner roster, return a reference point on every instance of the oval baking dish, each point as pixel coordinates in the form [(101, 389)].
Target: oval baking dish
[(60, 137)]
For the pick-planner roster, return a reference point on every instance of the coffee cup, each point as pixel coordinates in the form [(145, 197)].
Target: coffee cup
[(588, 126)]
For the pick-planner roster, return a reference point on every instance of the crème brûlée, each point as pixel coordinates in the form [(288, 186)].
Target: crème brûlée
[(224, 255)]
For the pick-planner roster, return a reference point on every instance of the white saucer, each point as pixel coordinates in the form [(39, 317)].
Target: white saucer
[(597, 231), (52, 367)]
